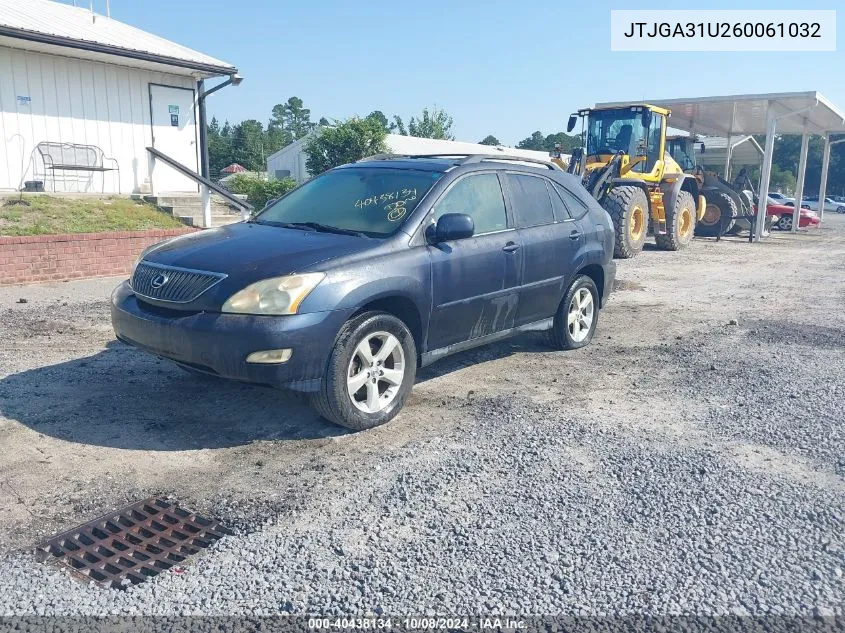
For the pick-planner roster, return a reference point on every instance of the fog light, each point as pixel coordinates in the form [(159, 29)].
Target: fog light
[(270, 356)]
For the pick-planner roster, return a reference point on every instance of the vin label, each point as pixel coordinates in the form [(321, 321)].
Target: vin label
[(723, 30)]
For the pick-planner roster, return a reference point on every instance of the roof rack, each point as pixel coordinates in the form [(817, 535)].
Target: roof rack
[(468, 159)]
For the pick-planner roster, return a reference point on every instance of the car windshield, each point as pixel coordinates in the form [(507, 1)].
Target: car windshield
[(373, 201), (610, 131)]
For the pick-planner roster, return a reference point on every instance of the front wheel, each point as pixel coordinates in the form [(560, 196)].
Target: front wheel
[(628, 208), (680, 224), (785, 223), (577, 315), (370, 372)]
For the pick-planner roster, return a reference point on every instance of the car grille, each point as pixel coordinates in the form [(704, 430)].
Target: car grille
[(181, 285)]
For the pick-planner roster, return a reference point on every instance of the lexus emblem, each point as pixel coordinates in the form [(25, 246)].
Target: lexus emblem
[(159, 280)]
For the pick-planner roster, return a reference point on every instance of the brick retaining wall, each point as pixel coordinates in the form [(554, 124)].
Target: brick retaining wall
[(74, 256)]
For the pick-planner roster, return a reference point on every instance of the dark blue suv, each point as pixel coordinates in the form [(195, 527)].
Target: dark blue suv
[(347, 285)]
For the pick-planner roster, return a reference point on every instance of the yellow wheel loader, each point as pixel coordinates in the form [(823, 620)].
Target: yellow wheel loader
[(624, 165)]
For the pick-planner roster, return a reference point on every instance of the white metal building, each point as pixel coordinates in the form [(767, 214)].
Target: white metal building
[(82, 96), (290, 160)]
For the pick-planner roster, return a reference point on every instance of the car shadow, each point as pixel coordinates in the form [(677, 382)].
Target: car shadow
[(124, 398), (128, 399), (531, 342)]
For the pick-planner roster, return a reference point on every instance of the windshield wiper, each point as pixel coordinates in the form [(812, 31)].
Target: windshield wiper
[(325, 228), (313, 226)]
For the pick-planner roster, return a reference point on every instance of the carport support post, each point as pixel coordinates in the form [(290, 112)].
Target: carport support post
[(730, 148), (823, 183), (766, 172), (802, 170)]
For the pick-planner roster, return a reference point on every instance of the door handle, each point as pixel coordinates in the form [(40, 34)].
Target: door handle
[(575, 234), (510, 247)]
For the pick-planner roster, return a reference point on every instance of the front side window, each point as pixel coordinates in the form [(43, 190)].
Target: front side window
[(373, 201), (655, 133), (480, 197)]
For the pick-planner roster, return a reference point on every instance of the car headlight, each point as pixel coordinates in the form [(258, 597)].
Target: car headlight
[(277, 295)]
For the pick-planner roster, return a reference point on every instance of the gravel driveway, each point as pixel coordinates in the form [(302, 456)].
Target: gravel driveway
[(690, 461)]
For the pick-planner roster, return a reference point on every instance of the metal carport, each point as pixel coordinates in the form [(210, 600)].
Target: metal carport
[(802, 113)]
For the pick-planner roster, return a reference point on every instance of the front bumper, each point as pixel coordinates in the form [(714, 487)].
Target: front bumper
[(218, 343), (609, 278)]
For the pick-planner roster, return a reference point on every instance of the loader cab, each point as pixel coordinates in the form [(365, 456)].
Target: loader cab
[(682, 150), (637, 131)]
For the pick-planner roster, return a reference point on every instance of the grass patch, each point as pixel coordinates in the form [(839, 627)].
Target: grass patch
[(49, 215)]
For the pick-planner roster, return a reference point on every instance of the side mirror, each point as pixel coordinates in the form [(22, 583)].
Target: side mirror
[(453, 226), (573, 119), (702, 148), (646, 118)]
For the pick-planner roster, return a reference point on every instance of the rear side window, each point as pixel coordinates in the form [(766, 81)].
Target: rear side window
[(573, 203), (480, 197), (531, 200), (561, 212)]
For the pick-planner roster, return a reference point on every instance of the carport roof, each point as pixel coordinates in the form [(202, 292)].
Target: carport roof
[(746, 114)]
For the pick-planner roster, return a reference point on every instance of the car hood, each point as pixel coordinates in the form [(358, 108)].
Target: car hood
[(249, 251)]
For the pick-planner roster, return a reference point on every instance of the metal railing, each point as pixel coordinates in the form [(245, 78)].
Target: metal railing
[(190, 173)]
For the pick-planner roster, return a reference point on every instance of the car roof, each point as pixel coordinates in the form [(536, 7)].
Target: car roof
[(421, 164)]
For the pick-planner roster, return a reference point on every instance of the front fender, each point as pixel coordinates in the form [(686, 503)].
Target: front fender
[(682, 182)]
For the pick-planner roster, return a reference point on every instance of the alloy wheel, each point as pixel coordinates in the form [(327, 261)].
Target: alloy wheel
[(580, 316), (375, 372)]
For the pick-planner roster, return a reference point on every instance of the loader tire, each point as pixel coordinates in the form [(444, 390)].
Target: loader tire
[(680, 224), (721, 212), (628, 208)]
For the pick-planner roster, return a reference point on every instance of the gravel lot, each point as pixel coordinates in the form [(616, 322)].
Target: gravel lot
[(691, 460)]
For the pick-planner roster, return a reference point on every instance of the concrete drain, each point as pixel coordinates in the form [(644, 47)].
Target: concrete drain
[(132, 544)]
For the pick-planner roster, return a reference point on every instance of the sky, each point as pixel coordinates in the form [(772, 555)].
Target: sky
[(498, 67)]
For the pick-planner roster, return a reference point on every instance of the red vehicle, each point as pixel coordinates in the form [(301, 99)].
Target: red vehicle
[(781, 216)]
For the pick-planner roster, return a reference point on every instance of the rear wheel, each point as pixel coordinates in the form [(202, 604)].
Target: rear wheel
[(370, 372), (680, 224), (785, 222), (628, 208), (718, 214), (577, 315)]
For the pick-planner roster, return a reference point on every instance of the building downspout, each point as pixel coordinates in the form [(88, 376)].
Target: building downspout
[(204, 169)]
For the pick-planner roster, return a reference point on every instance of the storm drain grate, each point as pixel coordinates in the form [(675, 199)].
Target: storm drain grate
[(132, 544)]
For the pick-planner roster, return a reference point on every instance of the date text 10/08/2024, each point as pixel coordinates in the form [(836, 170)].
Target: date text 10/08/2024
[(418, 623), (724, 29)]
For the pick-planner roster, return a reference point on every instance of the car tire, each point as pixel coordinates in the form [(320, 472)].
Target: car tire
[(840, 209), (378, 399), (785, 222), (570, 330), (680, 224), (628, 209)]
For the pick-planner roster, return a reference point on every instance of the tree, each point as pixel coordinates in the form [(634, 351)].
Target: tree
[(276, 138), (219, 146), (536, 142), (292, 117), (323, 122), (398, 125), (344, 143), (489, 140), (248, 145), (434, 123), (258, 190), (378, 117), (566, 142)]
